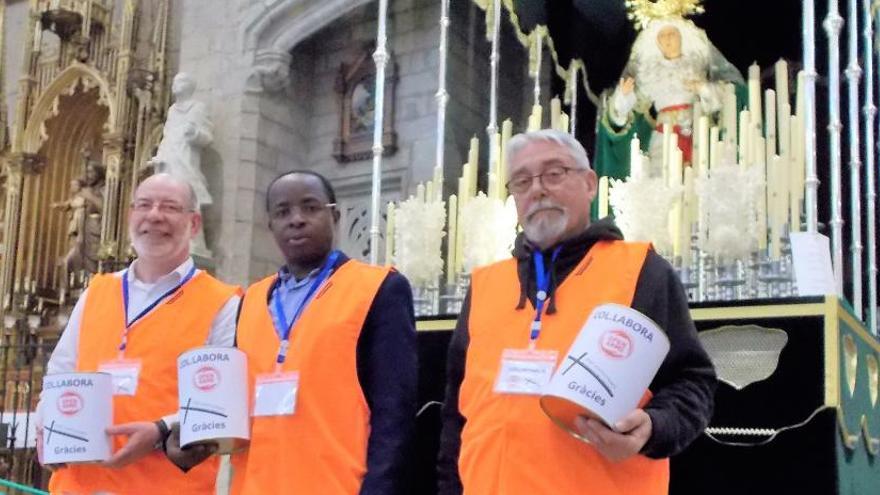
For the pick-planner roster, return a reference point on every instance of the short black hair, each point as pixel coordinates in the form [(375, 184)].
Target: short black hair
[(328, 187)]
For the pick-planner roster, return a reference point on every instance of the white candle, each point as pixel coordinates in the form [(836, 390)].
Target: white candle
[(667, 147), (675, 162), (555, 113), (744, 136), (729, 115), (389, 235), (635, 158), (770, 122), (451, 238), (420, 193), (761, 212), (689, 214), (473, 162), (535, 120), (783, 105), (506, 133), (796, 187), (438, 184), (715, 148), (755, 94), (465, 194), (603, 197), (801, 95), (703, 145)]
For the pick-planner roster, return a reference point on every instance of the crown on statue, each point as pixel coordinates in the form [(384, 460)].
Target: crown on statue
[(641, 12)]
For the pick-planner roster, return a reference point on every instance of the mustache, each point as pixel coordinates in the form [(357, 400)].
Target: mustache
[(544, 204)]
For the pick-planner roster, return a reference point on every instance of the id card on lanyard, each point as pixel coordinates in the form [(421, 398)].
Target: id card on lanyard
[(528, 371), (275, 393), (126, 373)]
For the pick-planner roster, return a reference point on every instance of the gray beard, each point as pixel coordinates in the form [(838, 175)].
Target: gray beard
[(544, 232)]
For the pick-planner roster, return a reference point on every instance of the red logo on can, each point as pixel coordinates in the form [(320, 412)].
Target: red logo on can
[(206, 378), (616, 344), (70, 403)]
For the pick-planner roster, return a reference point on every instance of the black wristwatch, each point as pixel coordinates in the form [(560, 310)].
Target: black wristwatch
[(164, 432)]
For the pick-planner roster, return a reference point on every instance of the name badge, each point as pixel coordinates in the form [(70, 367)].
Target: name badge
[(125, 374), (525, 371), (275, 394)]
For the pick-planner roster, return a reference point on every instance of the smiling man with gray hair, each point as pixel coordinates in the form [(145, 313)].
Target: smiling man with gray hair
[(532, 306)]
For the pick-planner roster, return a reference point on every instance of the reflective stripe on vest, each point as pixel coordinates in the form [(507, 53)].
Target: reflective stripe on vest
[(509, 445), (180, 323), (322, 448)]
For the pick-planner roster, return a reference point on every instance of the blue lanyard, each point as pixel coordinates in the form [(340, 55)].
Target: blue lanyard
[(279, 308), (125, 299), (542, 278)]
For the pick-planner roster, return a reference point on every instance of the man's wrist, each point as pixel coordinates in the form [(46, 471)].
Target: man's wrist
[(164, 432)]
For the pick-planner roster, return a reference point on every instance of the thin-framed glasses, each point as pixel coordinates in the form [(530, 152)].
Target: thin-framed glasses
[(551, 178), (164, 207)]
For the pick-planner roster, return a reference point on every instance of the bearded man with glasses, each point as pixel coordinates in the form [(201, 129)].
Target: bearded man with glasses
[(134, 324), (495, 441)]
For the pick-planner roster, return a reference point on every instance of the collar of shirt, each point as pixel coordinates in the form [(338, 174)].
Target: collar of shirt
[(174, 276), (288, 282), (142, 294)]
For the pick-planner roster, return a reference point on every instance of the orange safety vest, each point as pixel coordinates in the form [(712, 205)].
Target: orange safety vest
[(322, 447), (508, 445), (183, 321)]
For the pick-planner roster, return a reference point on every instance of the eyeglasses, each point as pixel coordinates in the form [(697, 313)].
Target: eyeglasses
[(551, 178), (164, 207), (306, 209)]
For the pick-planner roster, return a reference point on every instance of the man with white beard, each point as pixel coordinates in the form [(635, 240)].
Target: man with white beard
[(133, 324), (532, 306)]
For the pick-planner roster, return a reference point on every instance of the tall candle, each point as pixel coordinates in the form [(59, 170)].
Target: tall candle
[(770, 122), (729, 115), (555, 112), (715, 148), (635, 158), (465, 194), (667, 147), (755, 94), (420, 193), (783, 105), (506, 133), (744, 136), (452, 216), (675, 162), (703, 145), (536, 118), (603, 197), (473, 161), (389, 234), (438, 184), (761, 212)]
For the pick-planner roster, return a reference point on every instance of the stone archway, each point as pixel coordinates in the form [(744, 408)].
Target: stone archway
[(72, 115), (67, 83)]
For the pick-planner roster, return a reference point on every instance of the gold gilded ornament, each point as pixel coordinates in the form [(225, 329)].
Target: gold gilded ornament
[(641, 12)]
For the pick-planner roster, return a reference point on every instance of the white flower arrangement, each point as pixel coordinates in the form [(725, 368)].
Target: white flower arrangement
[(641, 209), (729, 221), (488, 227), (418, 236)]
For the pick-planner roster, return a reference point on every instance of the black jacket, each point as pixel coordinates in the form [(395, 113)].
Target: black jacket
[(683, 389)]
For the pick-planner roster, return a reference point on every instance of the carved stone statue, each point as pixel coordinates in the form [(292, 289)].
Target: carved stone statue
[(84, 226), (187, 130)]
